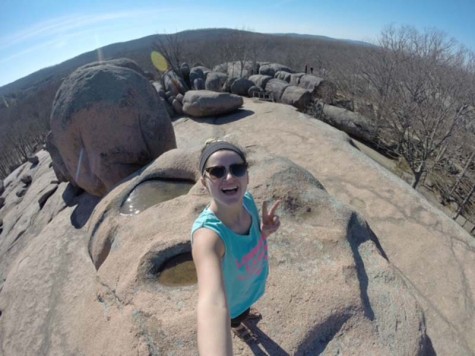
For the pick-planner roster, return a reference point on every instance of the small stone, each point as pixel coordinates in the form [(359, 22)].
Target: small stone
[(34, 160), (26, 179)]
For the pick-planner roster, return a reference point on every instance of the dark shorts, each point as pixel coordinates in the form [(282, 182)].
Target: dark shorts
[(235, 322)]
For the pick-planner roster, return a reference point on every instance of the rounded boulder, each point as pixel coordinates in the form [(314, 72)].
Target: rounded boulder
[(215, 81), (200, 103), (107, 122), (296, 96), (276, 87), (241, 86)]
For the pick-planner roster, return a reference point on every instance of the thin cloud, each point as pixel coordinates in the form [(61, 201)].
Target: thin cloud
[(28, 50), (66, 24)]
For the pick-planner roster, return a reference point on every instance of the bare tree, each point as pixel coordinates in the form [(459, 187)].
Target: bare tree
[(416, 81), (172, 48)]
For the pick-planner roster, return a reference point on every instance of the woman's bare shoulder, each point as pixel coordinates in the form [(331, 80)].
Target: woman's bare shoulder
[(207, 241)]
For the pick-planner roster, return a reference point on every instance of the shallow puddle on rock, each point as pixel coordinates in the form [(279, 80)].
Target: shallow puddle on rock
[(178, 271), (152, 192)]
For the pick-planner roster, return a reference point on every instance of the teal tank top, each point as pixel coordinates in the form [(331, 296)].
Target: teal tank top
[(245, 262)]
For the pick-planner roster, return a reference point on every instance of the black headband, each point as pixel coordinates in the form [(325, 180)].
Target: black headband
[(218, 146)]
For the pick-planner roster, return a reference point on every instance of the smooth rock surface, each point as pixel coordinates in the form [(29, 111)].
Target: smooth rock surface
[(321, 241), (331, 290)]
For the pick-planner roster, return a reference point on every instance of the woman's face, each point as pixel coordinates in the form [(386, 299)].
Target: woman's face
[(230, 188)]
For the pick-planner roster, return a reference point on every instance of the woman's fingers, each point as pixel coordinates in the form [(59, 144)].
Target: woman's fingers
[(274, 207), (270, 221), (268, 216)]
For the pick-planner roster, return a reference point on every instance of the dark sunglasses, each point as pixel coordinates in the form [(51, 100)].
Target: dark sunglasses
[(236, 169)]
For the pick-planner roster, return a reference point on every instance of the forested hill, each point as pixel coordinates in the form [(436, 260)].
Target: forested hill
[(139, 50)]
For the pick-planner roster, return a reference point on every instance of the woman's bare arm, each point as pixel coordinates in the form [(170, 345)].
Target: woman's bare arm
[(214, 331)]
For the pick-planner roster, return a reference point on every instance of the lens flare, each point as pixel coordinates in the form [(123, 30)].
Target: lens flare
[(159, 61)]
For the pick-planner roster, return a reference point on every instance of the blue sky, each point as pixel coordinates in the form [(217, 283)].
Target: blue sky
[(39, 33)]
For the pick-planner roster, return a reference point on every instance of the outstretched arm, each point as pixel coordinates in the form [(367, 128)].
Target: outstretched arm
[(214, 330), (270, 221)]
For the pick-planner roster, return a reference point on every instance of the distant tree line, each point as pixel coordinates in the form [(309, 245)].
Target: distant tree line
[(24, 124)]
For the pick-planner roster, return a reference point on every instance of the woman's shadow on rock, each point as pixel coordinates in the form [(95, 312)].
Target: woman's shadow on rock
[(263, 345)]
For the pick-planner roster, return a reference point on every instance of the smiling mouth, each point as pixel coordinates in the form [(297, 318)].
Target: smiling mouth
[(229, 191)]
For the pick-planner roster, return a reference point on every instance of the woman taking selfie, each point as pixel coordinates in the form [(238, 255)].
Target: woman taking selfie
[(229, 247)]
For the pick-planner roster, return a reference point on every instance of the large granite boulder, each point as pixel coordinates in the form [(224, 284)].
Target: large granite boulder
[(215, 81), (322, 246), (198, 84), (276, 87), (260, 80), (107, 121), (254, 91), (283, 75), (295, 78), (296, 96), (354, 124), (119, 62), (198, 72), (237, 69), (228, 84), (241, 86), (319, 87), (272, 68), (185, 69), (185, 73), (200, 103), (195, 74), (59, 168), (174, 83)]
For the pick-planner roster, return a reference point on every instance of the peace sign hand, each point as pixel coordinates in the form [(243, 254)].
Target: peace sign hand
[(270, 221)]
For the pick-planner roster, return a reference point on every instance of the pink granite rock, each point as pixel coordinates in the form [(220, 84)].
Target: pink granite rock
[(107, 121), (352, 266)]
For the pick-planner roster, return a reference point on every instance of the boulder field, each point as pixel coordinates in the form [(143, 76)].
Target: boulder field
[(362, 264)]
